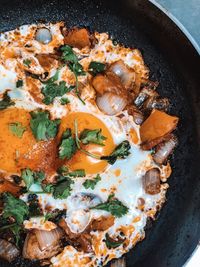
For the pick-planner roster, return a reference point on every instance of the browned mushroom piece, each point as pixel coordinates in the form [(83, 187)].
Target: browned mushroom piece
[(32, 251), (81, 241), (79, 38), (101, 224), (151, 181)]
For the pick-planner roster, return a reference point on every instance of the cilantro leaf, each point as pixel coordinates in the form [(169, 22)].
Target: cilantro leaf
[(6, 102), (96, 67), (114, 206), (27, 62), (111, 243), (17, 129), (62, 189), (55, 216), (77, 173), (14, 207), (42, 127), (68, 54), (92, 137), (91, 183), (29, 177), (64, 101), (19, 83), (53, 89), (120, 152), (67, 147)]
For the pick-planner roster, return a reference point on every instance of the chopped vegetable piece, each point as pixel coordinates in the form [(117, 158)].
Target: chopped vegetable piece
[(42, 127), (96, 67), (111, 243), (27, 62), (77, 173), (92, 137), (79, 38), (157, 125), (114, 206), (17, 129), (6, 102), (64, 101), (91, 183), (19, 83), (29, 177), (120, 152)]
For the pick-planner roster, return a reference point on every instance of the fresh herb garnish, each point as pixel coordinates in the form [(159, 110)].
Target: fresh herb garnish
[(111, 243), (53, 89), (17, 129), (67, 147), (64, 101), (96, 67), (42, 127), (27, 62), (76, 173), (6, 101), (92, 137), (70, 57), (91, 183), (19, 83), (16, 209), (62, 189), (30, 177), (55, 215), (114, 206), (120, 152)]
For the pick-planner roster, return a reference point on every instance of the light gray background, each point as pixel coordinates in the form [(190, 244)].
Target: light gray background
[(186, 13)]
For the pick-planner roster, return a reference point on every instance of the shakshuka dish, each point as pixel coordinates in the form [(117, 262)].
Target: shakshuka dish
[(84, 145)]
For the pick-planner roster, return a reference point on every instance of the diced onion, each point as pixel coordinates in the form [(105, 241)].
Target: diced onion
[(48, 239), (43, 36), (164, 150), (8, 251), (110, 103), (151, 181)]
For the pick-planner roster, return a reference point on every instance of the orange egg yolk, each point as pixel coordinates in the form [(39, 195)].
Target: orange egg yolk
[(18, 153), (81, 160)]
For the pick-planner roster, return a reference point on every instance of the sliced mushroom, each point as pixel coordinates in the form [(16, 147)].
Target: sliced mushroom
[(126, 74), (164, 149), (32, 251), (151, 181), (144, 94)]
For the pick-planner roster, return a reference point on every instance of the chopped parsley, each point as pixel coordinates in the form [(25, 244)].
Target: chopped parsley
[(92, 137), (42, 127), (114, 206), (71, 59), (6, 101), (17, 129), (54, 89), (120, 152), (19, 83), (111, 243), (27, 62), (76, 173), (67, 147), (96, 67), (91, 183)]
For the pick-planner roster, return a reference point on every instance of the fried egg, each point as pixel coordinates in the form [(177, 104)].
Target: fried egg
[(124, 178)]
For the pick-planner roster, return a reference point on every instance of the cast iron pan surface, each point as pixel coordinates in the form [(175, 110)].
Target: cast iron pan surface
[(175, 64)]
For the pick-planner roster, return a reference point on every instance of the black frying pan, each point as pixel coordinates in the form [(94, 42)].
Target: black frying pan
[(174, 62)]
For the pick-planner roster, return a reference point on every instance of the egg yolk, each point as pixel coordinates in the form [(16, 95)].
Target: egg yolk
[(18, 153), (81, 160)]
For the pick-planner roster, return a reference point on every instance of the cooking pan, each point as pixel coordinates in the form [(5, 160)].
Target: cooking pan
[(174, 62)]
